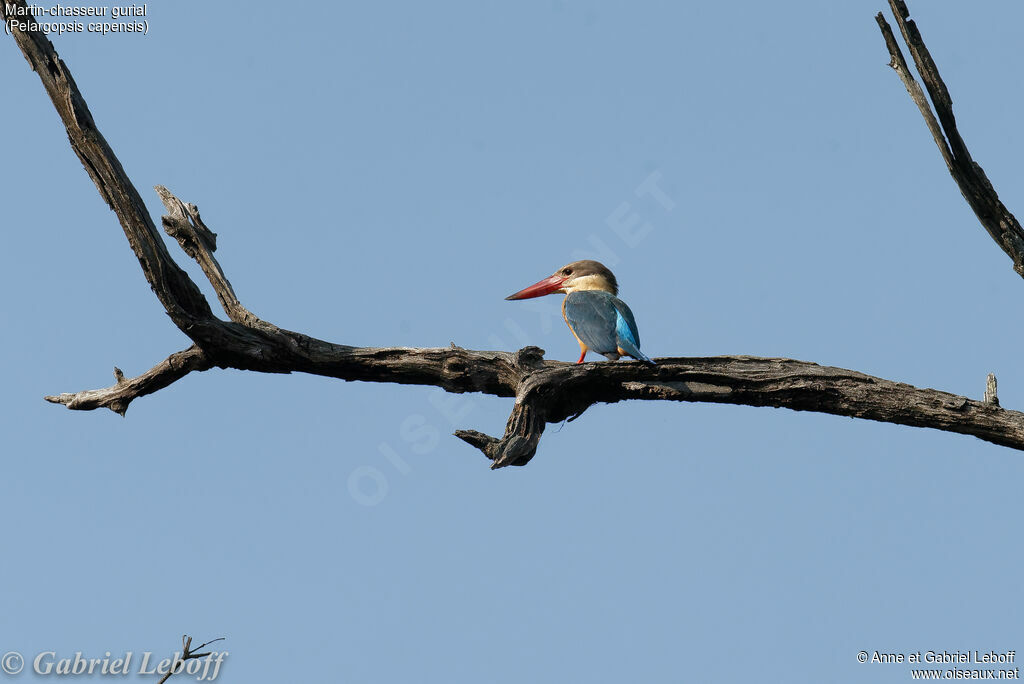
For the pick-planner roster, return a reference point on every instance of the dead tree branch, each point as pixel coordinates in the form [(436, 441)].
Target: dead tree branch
[(117, 397), (544, 391), (969, 176)]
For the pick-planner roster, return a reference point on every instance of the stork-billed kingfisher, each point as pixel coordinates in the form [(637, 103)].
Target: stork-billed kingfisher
[(601, 322)]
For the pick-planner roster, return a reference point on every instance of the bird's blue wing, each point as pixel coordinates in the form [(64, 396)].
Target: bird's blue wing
[(627, 333), (593, 317), (625, 325)]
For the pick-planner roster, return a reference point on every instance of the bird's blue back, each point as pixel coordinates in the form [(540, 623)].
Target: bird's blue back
[(603, 322)]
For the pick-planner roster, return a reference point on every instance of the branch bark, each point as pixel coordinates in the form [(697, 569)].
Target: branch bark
[(544, 391)]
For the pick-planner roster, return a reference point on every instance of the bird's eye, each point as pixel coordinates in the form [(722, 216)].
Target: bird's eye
[(566, 271)]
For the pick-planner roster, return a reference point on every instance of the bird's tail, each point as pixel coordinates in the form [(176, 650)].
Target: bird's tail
[(644, 357), (635, 352)]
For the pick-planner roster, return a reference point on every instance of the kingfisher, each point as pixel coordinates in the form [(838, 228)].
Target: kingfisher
[(601, 322)]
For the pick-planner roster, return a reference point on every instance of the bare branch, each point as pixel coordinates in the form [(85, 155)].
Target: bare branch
[(183, 223), (745, 380), (899, 65), (120, 395), (553, 391), (969, 176)]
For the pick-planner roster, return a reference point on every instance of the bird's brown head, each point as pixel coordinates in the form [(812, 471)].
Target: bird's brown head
[(585, 274)]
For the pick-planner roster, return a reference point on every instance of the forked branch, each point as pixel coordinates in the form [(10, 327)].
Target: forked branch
[(180, 662)]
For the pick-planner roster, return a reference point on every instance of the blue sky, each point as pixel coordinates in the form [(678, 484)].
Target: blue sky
[(385, 175)]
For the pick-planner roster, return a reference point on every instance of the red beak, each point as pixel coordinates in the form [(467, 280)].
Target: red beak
[(544, 287)]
